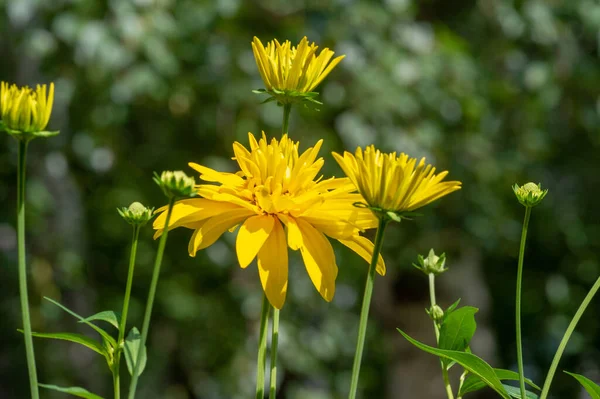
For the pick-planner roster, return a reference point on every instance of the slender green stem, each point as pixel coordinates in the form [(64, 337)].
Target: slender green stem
[(123, 321), (567, 336), (150, 302), (21, 166), (462, 381), (274, 342), (287, 108), (447, 384), (364, 313), (518, 301), (262, 349)]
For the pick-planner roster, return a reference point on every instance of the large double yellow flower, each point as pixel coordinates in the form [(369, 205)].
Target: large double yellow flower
[(288, 68), (394, 183), (280, 203), (25, 110)]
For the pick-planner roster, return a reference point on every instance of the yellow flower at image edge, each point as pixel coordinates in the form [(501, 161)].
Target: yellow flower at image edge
[(280, 203), (392, 183), (293, 70), (25, 110)]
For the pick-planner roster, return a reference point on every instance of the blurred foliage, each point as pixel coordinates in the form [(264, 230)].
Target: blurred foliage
[(496, 92)]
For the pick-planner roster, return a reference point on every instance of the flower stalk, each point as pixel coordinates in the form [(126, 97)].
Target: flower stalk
[(436, 328), (150, 302), (262, 349), (21, 166), (565, 339), (518, 301), (364, 313)]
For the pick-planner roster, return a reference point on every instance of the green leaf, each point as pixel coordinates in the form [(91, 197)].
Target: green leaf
[(100, 331), (131, 349), (468, 361), (516, 392), (458, 329), (108, 316), (78, 338), (590, 386), (452, 307), (75, 391), (473, 383)]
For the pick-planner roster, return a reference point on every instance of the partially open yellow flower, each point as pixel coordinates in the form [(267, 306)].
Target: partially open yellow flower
[(280, 203), (292, 70), (391, 183), (25, 110)]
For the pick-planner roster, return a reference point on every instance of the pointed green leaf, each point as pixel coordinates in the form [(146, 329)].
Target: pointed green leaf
[(468, 361), (131, 349), (458, 329), (100, 331), (75, 391), (590, 386), (473, 383), (78, 338), (516, 392), (452, 307), (108, 316)]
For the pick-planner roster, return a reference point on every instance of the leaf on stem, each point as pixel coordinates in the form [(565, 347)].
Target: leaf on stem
[(131, 349), (473, 383), (516, 392), (75, 391), (458, 329), (77, 338), (590, 386), (468, 361), (108, 316)]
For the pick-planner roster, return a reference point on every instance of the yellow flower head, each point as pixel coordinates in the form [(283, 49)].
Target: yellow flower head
[(24, 110), (292, 70), (279, 203), (392, 183)]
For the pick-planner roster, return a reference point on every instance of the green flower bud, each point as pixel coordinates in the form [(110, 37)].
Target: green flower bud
[(432, 264), (436, 313), (176, 184), (530, 194), (137, 214)]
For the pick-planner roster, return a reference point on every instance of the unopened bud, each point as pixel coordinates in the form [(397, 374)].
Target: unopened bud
[(176, 184), (137, 214), (432, 264), (530, 194)]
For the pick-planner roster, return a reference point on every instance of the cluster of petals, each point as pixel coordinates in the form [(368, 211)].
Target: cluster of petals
[(278, 201), (24, 109), (396, 183), (288, 68)]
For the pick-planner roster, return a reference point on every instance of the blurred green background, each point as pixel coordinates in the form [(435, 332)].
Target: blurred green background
[(496, 92)]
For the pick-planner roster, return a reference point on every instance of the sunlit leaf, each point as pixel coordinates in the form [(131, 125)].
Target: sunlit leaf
[(75, 391)]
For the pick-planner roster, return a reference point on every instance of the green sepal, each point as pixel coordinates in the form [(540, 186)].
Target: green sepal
[(468, 361), (27, 136), (75, 391), (289, 96), (72, 337), (590, 386), (131, 350), (108, 316), (473, 383), (99, 330)]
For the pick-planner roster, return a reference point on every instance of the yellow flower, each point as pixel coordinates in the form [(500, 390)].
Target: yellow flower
[(292, 71), (24, 110), (391, 183), (279, 204)]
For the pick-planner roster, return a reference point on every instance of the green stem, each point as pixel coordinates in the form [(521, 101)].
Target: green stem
[(262, 349), (150, 302), (364, 313), (447, 384), (22, 158), (123, 321), (287, 109), (518, 301), (274, 342), (567, 336)]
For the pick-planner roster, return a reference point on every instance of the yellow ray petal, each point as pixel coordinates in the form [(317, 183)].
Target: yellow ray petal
[(364, 248), (214, 227), (251, 237), (211, 175), (273, 266), (191, 210), (319, 259)]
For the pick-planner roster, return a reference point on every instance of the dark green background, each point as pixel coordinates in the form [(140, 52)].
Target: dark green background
[(496, 92)]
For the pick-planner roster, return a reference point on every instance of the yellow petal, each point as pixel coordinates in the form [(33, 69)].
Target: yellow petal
[(191, 210), (273, 266), (293, 232), (364, 248), (319, 259), (214, 227), (211, 175), (251, 237)]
